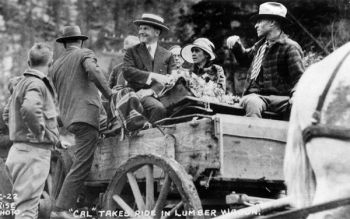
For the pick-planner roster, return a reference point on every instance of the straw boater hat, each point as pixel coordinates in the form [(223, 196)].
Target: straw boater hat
[(70, 33), (271, 10), (153, 20), (202, 43)]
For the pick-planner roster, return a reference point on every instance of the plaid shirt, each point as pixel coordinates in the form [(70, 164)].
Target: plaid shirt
[(281, 69)]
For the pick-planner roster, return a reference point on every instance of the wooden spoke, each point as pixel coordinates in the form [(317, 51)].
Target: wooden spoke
[(136, 191), (162, 196), (123, 205), (149, 187), (172, 211)]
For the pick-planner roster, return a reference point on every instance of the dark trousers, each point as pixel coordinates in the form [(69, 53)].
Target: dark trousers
[(86, 137), (153, 109)]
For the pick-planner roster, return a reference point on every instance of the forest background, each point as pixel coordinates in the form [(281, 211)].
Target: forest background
[(320, 26)]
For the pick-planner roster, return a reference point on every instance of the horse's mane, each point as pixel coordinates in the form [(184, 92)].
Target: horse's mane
[(299, 175)]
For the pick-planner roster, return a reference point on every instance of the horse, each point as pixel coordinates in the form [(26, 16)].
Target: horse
[(318, 170)]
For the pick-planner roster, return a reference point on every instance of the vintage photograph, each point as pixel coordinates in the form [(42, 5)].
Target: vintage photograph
[(174, 109)]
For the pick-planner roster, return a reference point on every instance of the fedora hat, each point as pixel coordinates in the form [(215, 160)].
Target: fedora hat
[(153, 20), (71, 32), (271, 10), (202, 43)]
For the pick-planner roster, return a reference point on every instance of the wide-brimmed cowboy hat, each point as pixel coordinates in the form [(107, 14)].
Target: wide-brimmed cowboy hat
[(71, 32), (202, 43), (153, 20), (271, 10)]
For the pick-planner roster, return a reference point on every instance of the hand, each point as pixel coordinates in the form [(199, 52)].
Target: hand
[(232, 40), (60, 145), (33, 138), (291, 99), (159, 78), (144, 93)]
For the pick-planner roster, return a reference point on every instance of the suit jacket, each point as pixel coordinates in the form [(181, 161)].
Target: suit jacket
[(77, 79), (138, 64)]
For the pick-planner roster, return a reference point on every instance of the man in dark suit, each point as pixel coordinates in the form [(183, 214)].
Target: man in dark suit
[(146, 64), (77, 79)]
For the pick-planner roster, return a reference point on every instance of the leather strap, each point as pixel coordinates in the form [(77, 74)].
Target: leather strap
[(322, 97), (324, 130)]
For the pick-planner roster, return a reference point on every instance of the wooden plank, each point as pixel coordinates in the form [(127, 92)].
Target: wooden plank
[(252, 148), (196, 148), (249, 127)]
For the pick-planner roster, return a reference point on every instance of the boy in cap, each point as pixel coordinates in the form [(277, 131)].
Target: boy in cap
[(146, 64), (275, 63), (31, 116)]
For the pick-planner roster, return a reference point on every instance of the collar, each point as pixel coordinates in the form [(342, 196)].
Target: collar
[(43, 77), (34, 72), (153, 48), (199, 70), (72, 47), (152, 45), (281, 39)]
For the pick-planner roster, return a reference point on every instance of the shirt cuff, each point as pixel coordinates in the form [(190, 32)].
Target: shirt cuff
[(149, 80)]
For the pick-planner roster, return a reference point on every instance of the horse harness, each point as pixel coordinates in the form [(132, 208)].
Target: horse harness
[(323, 130)]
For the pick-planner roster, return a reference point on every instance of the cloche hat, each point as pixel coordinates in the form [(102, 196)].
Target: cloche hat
[(271, 10), (176, 49), (202, 43), (71, 32), (153, 20)]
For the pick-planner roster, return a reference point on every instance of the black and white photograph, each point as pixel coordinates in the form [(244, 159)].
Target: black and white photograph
[(174, 109)]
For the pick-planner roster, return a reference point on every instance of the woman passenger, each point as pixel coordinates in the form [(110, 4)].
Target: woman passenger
[(201, 54)]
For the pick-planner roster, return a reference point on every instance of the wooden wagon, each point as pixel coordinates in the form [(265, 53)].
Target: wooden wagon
[(190, 166)]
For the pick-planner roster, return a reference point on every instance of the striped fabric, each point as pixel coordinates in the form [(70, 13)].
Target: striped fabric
[(257, 61)]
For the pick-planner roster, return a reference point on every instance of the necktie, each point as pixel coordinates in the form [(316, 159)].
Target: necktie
[(149, 50), (257, 61)]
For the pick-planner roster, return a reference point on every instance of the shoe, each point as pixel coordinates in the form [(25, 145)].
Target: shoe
[(62, 215)]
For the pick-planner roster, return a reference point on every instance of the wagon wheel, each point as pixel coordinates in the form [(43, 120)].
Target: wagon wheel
[(143, 198), (59, 165)]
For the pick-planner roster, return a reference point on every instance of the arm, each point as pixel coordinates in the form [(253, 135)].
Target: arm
[(112, 81), (171, 65), (221, 77), (32, 110), (295, 66), (244, 56), (5, 141), (5, 114), (132, 73), (139, 77), (95, 75)]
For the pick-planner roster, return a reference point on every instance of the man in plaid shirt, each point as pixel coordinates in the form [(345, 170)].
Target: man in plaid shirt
[(275, 63)]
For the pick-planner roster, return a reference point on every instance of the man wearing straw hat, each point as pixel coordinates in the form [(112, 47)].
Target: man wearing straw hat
[(275, 62), (78, 80), (146, 64), (116, 78)]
